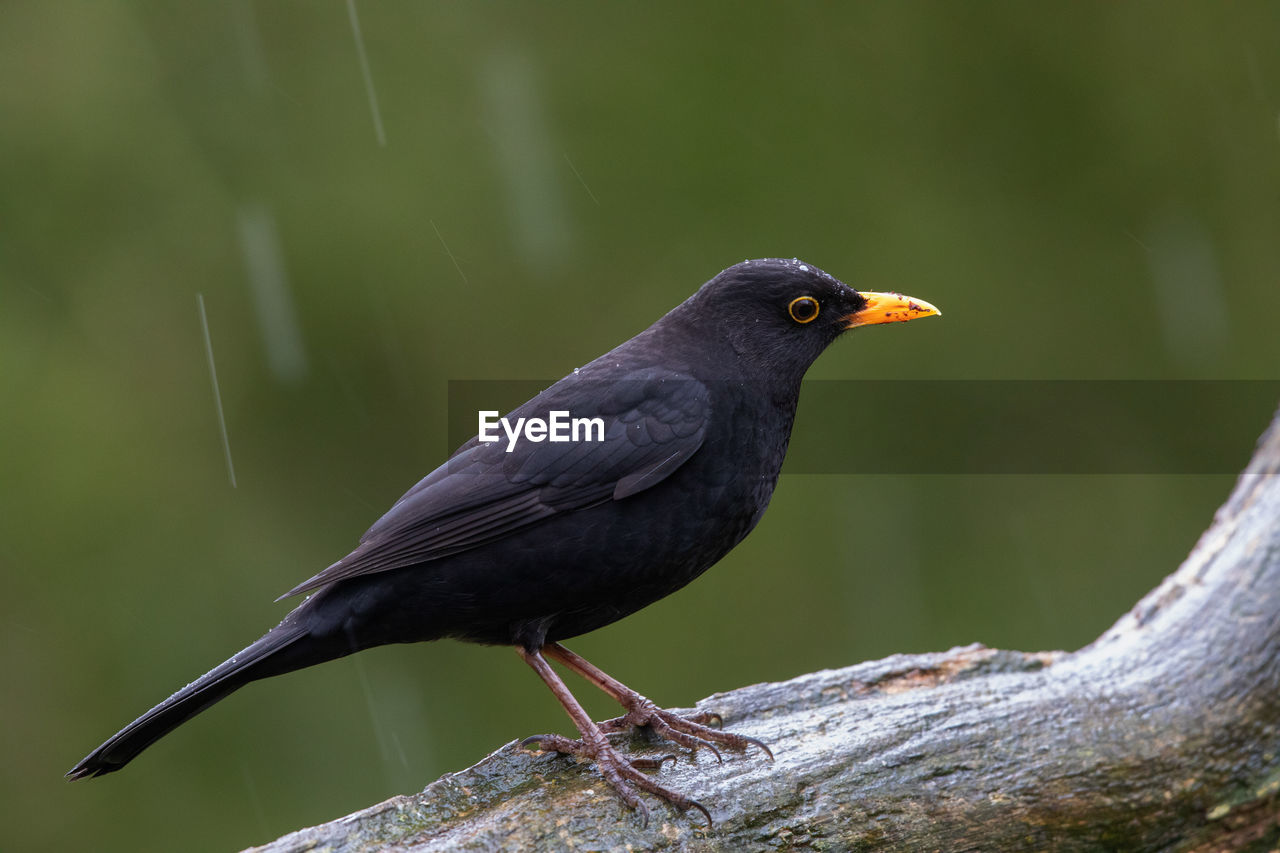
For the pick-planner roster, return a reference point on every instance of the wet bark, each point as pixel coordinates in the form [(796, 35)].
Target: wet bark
[(1162, 735)]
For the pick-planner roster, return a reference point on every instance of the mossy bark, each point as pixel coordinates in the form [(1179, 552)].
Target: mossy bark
[(1162, 735)]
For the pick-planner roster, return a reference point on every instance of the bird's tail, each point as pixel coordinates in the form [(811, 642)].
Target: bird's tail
[(286, 647)]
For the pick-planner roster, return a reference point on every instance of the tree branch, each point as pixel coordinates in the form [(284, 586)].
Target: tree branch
[(1162, 735)]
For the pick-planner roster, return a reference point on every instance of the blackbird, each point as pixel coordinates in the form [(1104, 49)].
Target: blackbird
[(530, 542)]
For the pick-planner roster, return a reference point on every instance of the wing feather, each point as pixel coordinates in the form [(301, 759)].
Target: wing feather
[(655, 420)]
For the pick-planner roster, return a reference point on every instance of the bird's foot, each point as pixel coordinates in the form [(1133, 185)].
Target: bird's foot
[(622, 774), (691, 732)]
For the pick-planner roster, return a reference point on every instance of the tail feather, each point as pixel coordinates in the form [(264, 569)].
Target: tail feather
[(282, 649)]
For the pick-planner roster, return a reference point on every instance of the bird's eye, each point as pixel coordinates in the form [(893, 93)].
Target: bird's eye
[(803, 309)]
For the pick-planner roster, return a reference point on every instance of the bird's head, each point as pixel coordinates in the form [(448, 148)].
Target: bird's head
[(781, 314)]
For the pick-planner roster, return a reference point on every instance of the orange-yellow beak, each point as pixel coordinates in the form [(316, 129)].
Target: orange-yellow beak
[(889, 308)]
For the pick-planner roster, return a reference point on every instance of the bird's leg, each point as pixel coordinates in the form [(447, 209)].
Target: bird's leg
[(616, 769), (691, 732)]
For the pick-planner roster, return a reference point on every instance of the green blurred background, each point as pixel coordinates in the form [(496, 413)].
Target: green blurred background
[(1088, 190)]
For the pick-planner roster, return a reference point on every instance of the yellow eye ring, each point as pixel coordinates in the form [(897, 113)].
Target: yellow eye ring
[(803, 309)]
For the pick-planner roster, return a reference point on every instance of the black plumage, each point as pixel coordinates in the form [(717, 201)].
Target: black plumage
[(555, 539)]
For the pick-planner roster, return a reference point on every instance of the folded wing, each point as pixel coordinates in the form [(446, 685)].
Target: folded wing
[(654, 421)]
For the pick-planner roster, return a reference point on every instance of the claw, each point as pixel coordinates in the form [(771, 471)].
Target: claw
[(554, 743), (644, 813), (759, 743)]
